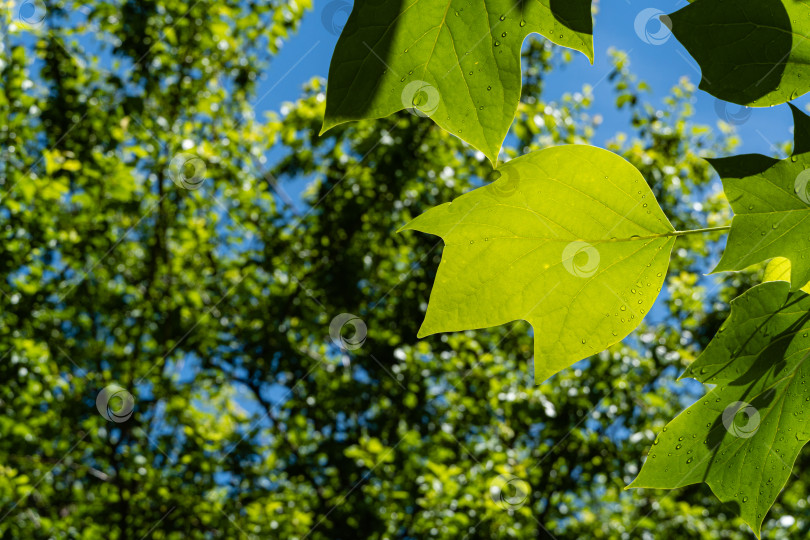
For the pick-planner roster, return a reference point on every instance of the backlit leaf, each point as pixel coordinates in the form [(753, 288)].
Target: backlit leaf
[(569, 239), (778, 269)]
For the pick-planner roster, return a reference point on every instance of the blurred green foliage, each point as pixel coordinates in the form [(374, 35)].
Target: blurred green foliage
[(212, 306)]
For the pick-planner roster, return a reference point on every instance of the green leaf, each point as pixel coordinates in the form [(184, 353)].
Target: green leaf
[(771, 203), (569, 239), (455, 61), (751, 52), (778, 269), (743, 437)]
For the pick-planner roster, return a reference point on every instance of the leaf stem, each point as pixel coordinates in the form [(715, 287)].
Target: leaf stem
[(699, 231), (673, 234)]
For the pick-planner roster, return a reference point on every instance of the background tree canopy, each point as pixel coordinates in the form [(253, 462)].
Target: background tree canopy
[(150, 241)]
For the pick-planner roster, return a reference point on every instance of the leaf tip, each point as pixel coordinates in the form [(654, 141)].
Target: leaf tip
[(492, 155), (756, 528), (711, 161), (425, 330), (721, 266), (798, 113), (413, 225), (589, 54), (542, 373), (328, 123), (801, 130)]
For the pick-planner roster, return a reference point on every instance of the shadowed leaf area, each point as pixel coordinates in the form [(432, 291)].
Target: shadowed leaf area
[(455, 61), (751, 52), (743, 437), (771, 203)]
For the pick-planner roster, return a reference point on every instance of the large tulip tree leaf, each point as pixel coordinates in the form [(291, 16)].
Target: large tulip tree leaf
[(453, 60), (751, 52), (569, 239), (771, 203), (743, 437)]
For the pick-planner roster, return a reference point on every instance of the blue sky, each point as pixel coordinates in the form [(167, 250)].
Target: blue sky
[(660, 60)]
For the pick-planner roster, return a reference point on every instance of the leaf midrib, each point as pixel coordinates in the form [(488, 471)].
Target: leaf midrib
[(573, 239)]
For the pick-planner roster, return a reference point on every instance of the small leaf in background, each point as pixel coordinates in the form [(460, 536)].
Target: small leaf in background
[(569, 239), (751, 52), (456, 62), (771, 203), (743, 437)]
